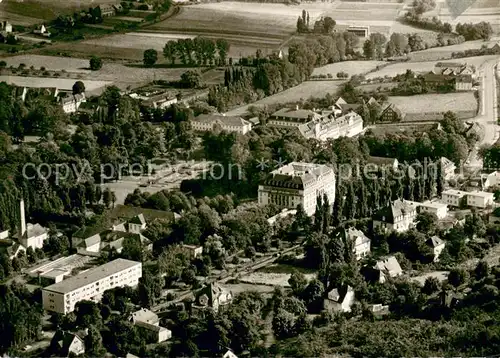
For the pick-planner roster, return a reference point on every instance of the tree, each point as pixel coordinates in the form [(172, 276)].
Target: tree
[(457, 277), (93, 342), (191, 79), (328, 24), (87, 314), (431, 285), (78, 87), (283, 324), (298, 282), (150, 57), (170, 51), (378, 40), (107, 197), (427, 222), (482, 270), (95, 63), (223, 47), (368, 49)]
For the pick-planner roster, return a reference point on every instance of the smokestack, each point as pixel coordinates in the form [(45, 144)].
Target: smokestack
[(23, 218)]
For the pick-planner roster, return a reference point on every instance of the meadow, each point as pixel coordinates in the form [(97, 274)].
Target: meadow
[(298, 93), (92, 87), (401, 67), (427, 103), (350, 67)]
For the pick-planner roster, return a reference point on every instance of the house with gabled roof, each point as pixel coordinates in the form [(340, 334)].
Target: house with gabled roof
[(399, 216), (70, 104), (386, 267), (392, 113), (382, 162), (436, 245), (213, 296), (339, 299), (360, 241), (11, 248), (67, 344), (447, 168), (229, 354)]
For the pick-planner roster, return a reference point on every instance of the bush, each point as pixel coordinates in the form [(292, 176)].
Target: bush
[(95, 63)]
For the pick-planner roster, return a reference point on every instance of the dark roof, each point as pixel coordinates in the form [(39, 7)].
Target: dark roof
[(221, 119), (62, 341), (464, 79), (381, 160), (338, 294), (433, 77), (434, 241), (397, 208), (295, 175), (346, 107), (138, 219), (127, 212), (394, 108)]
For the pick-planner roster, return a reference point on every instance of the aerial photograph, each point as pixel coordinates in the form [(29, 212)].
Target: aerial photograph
[(250, 178)]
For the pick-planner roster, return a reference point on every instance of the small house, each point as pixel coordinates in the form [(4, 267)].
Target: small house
[(193, 250), (67, 344), (399, 216), (339, 299), (214, 296), (437, 246), (388, 267), (360, 241)]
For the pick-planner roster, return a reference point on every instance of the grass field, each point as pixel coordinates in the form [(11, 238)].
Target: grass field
[(35, 11), (140, 41), (350, 67), (438, 53), (480, 10), (93, 87), (301, 92), (50, 63), (400, 68), (462, 101)]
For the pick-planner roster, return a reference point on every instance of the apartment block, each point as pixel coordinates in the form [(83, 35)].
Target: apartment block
[(298, 183), (480, 199), (89, 285), (453, 197), (434, 207)]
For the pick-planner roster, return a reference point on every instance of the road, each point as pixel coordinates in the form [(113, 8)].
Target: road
[(487, 116)]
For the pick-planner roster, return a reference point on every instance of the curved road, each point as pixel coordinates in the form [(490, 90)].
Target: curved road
[(488, 115)]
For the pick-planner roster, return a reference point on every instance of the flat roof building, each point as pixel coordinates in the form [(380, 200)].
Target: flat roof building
[(61, 297)]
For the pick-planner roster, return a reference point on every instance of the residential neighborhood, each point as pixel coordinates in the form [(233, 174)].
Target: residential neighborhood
[(238, 179)]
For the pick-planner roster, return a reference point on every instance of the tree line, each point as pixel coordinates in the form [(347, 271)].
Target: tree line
[(199, 51)]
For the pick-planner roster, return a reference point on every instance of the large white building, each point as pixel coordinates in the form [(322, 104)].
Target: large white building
[(208, 122), (480, 199), (435, 207), (89, 285), (348, 125), (453, 197), (298, 183)]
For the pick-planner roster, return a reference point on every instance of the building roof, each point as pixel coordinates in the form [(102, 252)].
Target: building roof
[(454, 192), (434, 241), (92, 275), (483, 194), (54, 273), (138, 219), (446, 163), (296, 175), (63, 341), (91, 241), (320, 127), (394, 108), (390, 264), (145, 315), (433, 204), (464, 79), (34, 230), (396, 209), (381, 160), (297, 114), (127, 212), (222, 120), (212, 291), (283, 214), (353, 233), (229, 354), (151, 327), (338, 294), (449, 64)]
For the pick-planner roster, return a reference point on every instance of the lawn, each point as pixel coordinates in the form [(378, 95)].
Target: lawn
[(140, 41), (301, 92), (400, 68), (350, 67), (462, 101), (444, 52), (50, 63), (94, 87)]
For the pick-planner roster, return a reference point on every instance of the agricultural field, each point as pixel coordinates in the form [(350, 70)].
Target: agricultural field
[(400, 68), (271, 279), (427, 103), (350, 67), (29, 12), (439, 53), (92, 87), (480, 10), (112, 73), (301, 92)]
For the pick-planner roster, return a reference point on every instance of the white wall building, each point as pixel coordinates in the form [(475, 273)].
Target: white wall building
[(437, 246), (30, 235), (399, 216), (70, 104), (89, 285), (298, 183), (453, 197), (480, 199), (362, 243), (435, 207), (208, 122), (348, 125)]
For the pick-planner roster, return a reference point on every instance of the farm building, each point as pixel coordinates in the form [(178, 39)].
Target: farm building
[(392, 113), (107, 10)]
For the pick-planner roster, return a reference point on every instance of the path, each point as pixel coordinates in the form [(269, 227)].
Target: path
[(488, 115)]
